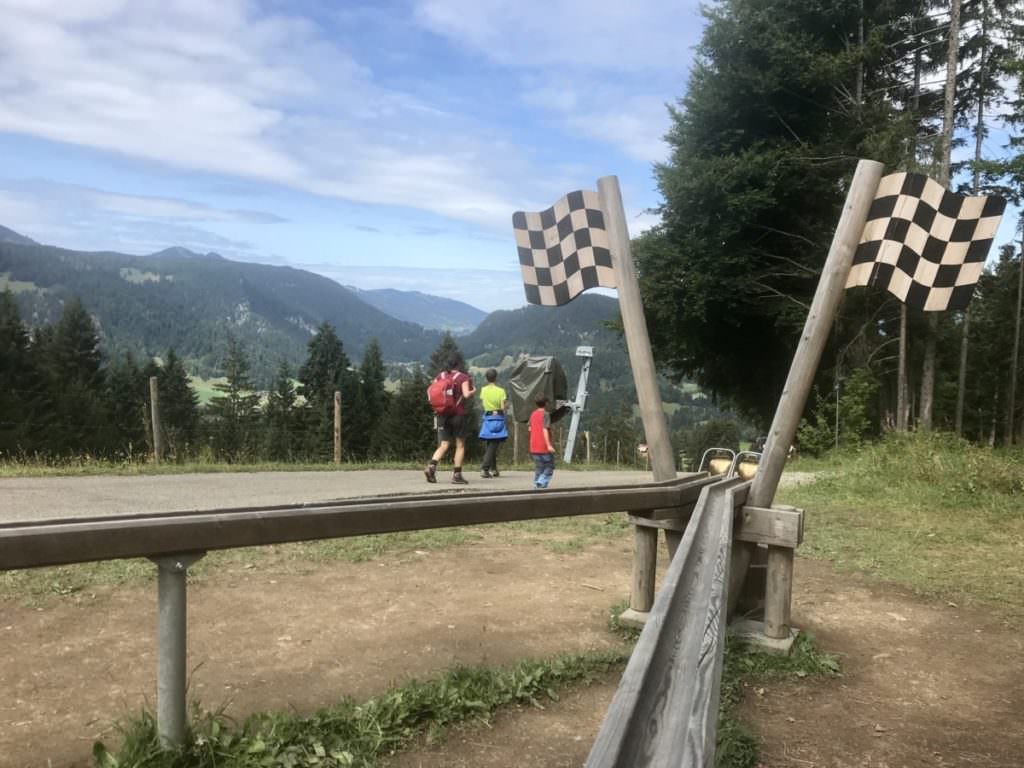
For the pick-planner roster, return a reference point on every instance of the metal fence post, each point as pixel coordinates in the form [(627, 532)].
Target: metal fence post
[(173, 646)]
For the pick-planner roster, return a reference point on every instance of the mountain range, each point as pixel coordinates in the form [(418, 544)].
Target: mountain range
[(191, 302)]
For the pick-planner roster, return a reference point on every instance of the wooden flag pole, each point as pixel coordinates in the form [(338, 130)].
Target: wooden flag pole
[(794, 395), (635, 326), (641, 359)]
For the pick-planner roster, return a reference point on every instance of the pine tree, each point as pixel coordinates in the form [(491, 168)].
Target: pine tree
[(280, 416), (372, 378), (406, 429), (24, 399), (127, 398), (445, 350), (179, 407), (72, 366), (781, 102), (234, 410), (325, 372)]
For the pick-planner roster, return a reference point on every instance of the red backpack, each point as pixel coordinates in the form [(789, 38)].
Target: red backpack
[(441, 394)]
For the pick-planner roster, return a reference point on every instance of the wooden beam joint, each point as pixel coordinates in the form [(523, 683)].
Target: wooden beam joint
[(777, 526)]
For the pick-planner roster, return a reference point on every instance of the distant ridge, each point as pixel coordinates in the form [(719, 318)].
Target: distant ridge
[(10, 236), (432, 312)]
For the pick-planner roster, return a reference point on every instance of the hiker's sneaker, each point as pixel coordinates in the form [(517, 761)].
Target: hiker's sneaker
[(485, 473), (431, 473), (495, 473), (459, 480)]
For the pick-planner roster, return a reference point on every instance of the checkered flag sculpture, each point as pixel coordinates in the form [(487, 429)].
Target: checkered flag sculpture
[(924, 244), (563, 251)]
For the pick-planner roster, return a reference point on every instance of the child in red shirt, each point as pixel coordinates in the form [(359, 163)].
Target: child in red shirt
[(541, 450)]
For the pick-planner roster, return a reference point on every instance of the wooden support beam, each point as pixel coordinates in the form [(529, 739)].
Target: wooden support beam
[(776, 526)]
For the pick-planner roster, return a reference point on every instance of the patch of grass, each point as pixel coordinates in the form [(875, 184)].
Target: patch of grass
[(616, 627), (928, 511), (353, 734), (737, 746)]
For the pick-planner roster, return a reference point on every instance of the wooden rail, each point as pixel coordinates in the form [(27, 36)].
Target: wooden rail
[(80, 540), (665, 711)]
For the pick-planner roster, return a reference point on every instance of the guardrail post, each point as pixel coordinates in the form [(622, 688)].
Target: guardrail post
[(172, 652)]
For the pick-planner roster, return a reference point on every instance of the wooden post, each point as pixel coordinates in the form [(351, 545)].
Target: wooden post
[(154, 409), (778, 592), (801, 376), (1015, 358), (645, 560), (586, 436), (645, 377), (641, 359), (337, 427)]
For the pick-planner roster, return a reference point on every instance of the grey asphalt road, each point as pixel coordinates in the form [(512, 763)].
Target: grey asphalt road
[(27, 499)]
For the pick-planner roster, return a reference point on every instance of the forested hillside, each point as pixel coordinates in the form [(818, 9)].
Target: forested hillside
[(187, 301)]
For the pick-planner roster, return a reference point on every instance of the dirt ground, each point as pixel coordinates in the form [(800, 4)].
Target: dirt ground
[(925, 683)]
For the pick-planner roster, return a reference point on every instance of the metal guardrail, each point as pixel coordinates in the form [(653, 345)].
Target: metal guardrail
[(665, 711)]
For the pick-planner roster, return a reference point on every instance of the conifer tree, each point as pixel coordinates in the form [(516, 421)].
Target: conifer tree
[(234, 410), (372, 377), (406, 429), (72, 364), (127, 403), (279, 416), (179, 407), (23, 395)]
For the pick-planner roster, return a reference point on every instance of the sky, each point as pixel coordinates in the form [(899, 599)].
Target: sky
[(383, 144)]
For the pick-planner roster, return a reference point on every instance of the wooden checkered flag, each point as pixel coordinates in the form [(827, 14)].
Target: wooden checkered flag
[(924, 244), (563, 251)]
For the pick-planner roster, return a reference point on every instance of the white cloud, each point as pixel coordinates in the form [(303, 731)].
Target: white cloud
[(217, 87), (93, 219), (570, 34), (635, 123)]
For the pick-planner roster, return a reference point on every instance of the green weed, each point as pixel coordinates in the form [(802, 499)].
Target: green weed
[(352, 734), (737, 746)]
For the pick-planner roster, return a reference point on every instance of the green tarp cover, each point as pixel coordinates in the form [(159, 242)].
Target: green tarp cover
[(533, 375)]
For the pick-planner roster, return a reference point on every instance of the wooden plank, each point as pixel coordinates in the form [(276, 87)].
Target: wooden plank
[(665, 711), (776, 526), (665, 524), (76, 540)]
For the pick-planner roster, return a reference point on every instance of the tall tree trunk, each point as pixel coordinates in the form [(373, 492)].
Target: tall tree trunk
[(928, 368), (1015, 358), (902, 390), (979, 135), (902, 386)]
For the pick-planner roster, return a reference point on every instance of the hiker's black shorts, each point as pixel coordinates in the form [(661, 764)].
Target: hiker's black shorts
[(451, 427)]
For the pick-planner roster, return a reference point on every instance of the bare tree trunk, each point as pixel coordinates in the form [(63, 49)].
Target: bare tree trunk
[(902, 390), (1015, 358), (979, 135), (902, 386), (928, 368)]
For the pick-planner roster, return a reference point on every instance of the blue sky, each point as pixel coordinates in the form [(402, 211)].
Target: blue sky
[(382, 144)]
